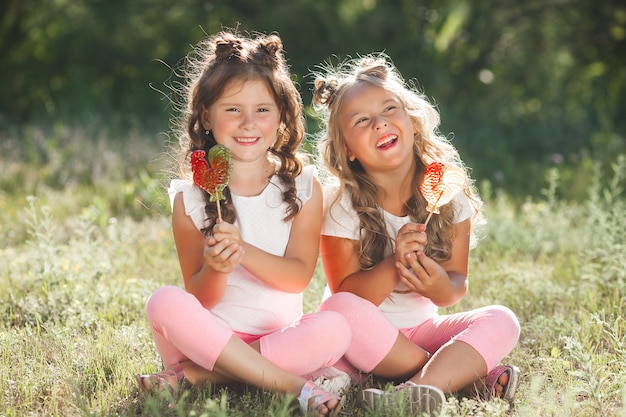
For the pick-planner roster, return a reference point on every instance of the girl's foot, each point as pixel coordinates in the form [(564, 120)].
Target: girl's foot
[(160, 381), (501, 382), (406, 397), (316, 402)]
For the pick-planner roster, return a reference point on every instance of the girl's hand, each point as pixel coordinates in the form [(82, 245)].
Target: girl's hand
[(223, 251), (410, 239), (426, 277), (227, 231)]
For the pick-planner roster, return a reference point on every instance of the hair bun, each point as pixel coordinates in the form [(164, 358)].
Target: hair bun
[(373, 67), (273, 47), (227, 46), (324, 91), (272, 44)]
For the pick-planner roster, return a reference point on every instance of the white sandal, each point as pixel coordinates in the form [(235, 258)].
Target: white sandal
[(319, 396), (406, 396), (333, 381)]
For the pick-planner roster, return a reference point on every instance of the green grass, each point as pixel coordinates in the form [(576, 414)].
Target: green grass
[(83, 248)]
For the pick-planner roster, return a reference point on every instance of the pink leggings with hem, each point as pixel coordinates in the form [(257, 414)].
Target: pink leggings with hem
[(184, 330), (492, 331)]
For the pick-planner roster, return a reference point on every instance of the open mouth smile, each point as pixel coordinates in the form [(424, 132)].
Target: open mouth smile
[(247, 139), (386, 141)]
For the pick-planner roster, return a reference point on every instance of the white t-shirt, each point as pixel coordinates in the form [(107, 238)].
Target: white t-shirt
[(403, 309), (249, 305)]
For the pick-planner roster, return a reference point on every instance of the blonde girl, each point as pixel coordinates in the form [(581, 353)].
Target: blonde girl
[(381, 134)]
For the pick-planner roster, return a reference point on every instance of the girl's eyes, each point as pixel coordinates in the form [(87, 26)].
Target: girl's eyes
[(259, 110), (387, 109)]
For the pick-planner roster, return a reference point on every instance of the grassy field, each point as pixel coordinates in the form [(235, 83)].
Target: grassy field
[(86, 239)]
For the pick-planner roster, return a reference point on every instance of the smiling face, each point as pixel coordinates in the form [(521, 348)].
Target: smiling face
[(376, 128), (245, 118)]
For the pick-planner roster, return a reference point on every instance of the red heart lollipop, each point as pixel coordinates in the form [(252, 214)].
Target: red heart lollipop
[(212, 176), (440, 184)]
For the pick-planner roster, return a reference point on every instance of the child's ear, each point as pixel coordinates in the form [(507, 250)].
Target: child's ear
[(350, 155), (204, 118), (416, 130)]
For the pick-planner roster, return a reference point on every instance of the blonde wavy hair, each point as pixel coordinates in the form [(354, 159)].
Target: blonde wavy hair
[(331, 85), (219, 60)]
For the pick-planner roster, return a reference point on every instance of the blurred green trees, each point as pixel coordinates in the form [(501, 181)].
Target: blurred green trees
[(522, 86)]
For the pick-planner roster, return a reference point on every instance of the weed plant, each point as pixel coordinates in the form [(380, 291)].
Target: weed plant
[(83, 248)]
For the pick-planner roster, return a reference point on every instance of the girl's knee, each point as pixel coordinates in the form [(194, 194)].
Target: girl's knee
[(323, 327), (346, 303), (505, 321), (162, 300), (335, 322)]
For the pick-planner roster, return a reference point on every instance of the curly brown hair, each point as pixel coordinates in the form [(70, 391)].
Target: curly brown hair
[(330, 87), (214, 63)]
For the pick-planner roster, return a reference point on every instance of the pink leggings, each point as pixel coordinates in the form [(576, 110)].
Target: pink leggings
[(184, 330), (493, 331)]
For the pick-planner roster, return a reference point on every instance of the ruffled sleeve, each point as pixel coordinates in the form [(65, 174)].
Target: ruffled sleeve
[(463, 207), (193, 198), (304, 183)]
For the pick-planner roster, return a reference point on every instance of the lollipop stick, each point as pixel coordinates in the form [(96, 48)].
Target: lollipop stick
[(219, 212), (428, 218), (434, 207)]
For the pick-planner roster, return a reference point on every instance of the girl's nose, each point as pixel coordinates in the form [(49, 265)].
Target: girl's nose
[(380, 122), (247, 121)]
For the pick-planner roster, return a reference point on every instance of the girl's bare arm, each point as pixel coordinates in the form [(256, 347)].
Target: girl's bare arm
[(201, 280), (343, 272)]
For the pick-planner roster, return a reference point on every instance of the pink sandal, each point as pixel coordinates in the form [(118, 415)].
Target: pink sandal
[(319, 396), (508, 390)]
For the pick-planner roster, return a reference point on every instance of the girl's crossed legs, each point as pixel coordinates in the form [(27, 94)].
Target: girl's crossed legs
[(196, 345), (464, 346)]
